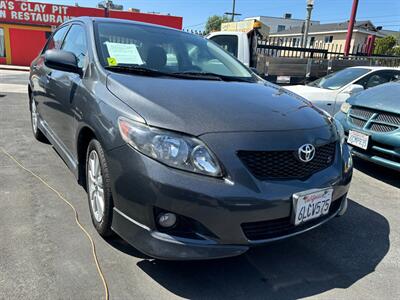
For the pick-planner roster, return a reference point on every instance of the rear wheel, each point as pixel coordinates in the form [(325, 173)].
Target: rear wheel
[(98, 189), (35, 122)]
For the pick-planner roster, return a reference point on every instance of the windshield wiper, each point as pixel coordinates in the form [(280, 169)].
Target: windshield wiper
[(137, 70), (211, 76), (314, 84), (184, 75), (151, 72)]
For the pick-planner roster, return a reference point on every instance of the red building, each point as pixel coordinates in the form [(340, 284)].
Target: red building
[(25, 26)]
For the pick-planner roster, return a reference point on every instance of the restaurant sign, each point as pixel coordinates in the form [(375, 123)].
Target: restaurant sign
[(12, 11), (33, 13)]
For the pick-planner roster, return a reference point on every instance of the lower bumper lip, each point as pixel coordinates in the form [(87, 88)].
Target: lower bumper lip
[(162, 246)]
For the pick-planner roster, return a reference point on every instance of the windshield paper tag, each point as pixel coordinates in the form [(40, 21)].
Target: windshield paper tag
[(123, 53), (112, 61)]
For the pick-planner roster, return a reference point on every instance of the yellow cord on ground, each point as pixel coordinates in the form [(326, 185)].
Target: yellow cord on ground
[(76, 218)]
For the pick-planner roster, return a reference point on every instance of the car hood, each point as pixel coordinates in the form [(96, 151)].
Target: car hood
[(312, 93), (382, 97), (203, 106)]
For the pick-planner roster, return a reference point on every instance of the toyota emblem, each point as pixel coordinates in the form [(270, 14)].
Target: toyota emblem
[(306, 153)]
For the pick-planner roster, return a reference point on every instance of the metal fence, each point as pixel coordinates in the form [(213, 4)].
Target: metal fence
[(289, 47)]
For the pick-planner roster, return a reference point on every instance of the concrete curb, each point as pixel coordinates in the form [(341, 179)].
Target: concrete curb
[(14, 68)]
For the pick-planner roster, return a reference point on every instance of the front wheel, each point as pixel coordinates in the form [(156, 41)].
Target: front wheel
[(35, 122), (98, 189)]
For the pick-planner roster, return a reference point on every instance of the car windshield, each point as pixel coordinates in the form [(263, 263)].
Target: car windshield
[(339, 79), (158, 51)]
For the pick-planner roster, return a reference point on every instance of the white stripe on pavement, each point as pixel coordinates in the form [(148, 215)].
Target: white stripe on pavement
[(13, 88)]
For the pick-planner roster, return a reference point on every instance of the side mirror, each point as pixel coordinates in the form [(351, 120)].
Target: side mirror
[(62, 61), (354, 89)]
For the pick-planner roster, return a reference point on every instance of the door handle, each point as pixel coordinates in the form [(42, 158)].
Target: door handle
[(329, 104)]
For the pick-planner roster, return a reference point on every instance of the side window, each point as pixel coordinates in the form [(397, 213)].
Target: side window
[(378, 78), (312, 41), (281, 28), (54, 42), (172, 57), (75, 42), (227, 42), (328, 39), (394, 75)]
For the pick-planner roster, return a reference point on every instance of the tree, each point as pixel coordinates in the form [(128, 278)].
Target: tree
[(385, 45), (214, 23), (396, 51)]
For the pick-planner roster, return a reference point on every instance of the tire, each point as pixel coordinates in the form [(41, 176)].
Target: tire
[(37, 133), (98, 184)]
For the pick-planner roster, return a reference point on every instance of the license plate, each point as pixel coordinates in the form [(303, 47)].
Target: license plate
[(311, 204), (358, 139)]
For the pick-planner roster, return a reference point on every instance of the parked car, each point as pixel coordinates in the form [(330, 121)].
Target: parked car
[(184, 152), (371, 120), (331, 91)]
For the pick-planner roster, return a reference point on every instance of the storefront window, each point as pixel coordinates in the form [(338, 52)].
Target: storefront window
[(2, 44)]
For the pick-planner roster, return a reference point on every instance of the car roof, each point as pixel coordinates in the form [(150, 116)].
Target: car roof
[(376, 68), (87, 20)]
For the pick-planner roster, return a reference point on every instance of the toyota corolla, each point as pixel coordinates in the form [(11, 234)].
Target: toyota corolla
[(183, 151)]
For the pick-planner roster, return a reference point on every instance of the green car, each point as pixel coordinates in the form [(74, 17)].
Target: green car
[(371, 121)]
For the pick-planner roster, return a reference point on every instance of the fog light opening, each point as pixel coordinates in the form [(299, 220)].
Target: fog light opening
[(167, 220)]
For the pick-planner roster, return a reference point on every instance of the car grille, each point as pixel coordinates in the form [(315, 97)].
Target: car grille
[(285, 164), (280, 227), (382, 127), (388, 118), (374, 120), (358, 122), (361, 112)]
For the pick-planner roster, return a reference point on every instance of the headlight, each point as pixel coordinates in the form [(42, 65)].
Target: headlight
[(173, 149), (345, 107), (340, 131)]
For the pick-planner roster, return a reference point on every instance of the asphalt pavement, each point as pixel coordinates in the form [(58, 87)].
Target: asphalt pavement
[(44, 255)]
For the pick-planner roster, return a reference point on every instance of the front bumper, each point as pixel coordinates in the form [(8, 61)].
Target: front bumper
[(164, 246), (140, 185), (384, 148)]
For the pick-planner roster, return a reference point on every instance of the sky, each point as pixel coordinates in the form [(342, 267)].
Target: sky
[(384, 13)]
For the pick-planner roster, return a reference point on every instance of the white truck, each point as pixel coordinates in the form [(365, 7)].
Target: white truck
[(241, 39)]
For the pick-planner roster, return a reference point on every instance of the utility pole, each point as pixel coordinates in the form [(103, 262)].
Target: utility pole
[(107, 8), (233, 13), (310, 6), (350, 28), (233, 10)]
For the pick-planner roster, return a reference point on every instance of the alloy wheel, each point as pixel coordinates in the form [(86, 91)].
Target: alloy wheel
[(95, 186), (34, 117)]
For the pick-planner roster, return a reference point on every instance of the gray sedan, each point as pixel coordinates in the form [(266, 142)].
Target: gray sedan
[(184, 152)]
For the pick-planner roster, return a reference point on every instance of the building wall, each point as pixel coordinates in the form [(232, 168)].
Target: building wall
[(20, 38), (24, 26), (337, 44), (273, 22), (22, 43), (359, 39)]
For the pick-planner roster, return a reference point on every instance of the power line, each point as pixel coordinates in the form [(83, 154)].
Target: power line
[(196, 25)]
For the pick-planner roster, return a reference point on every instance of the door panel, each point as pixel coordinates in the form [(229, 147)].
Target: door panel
[(64, 89), (42, 92)]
